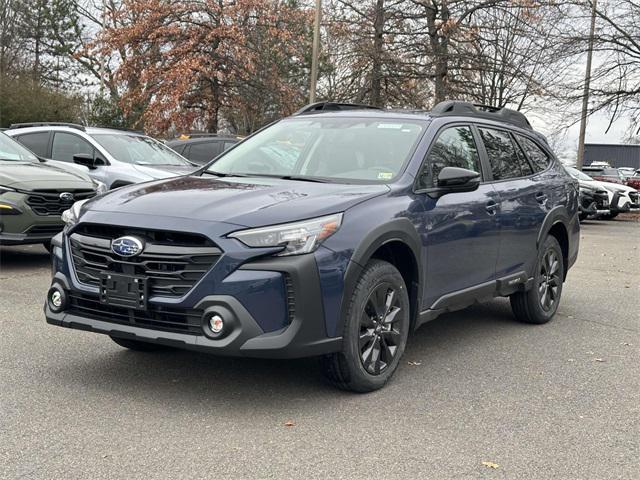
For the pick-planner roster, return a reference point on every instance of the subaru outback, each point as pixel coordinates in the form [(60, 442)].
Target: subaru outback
[(34, 193), (333, 233)]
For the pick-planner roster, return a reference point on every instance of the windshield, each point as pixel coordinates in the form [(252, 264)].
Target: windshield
[(578, 174), (12, 150), (342, 149), (138, 149)]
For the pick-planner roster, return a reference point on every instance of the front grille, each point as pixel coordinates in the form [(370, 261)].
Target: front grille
[(45, 229), (156, 318), (172, 262), (48, 202)]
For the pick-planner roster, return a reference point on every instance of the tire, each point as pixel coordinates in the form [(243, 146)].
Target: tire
[(583, 216), (137, 345), (610, 216), (540, 303), (47, 246), (371, 348)]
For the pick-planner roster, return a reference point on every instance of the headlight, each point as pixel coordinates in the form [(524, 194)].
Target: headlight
[(70, 217), (100, 187), (296, 238)]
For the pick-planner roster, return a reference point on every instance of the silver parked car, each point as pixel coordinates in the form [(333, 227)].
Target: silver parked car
[(113, 157)]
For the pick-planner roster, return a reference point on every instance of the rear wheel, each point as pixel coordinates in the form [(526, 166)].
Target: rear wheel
[(137, 345), (582, 216), (610, 216), (540, 303), (375, 333)]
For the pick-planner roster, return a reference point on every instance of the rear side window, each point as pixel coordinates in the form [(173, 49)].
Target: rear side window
[(66, 145), (506, 161), (204, 151), (38, 143), (454, 147), (538, 157), (228, 145)]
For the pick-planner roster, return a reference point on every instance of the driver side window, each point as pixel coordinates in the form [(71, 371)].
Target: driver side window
[(454, 147)]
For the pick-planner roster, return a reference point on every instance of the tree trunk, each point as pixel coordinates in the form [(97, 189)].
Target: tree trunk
[(378, 43)]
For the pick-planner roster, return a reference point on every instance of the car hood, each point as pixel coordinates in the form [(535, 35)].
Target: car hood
[(242, 201), (165, 171), (614, 187), (29, 175)]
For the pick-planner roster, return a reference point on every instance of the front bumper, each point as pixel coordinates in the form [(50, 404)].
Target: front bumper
[(25, 227), (245, 333)]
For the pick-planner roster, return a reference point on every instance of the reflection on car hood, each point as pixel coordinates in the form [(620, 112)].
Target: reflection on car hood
[(243, 201), (164, 171), (28, 175)]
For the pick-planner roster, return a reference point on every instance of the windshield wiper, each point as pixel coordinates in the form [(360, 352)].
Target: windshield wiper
[(301, 178), (220, 174)]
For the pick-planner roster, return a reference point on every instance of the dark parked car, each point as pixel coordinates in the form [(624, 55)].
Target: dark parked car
[(202, 149), (594, 199), (333, 233)]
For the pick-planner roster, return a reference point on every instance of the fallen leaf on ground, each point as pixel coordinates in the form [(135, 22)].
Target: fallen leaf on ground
[(600, 360), (415, 364), (490, 465), (289, 423), (627, 344), (571, 360)]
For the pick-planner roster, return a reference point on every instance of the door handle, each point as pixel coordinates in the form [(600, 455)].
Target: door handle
[(491, 207), (541, 197)]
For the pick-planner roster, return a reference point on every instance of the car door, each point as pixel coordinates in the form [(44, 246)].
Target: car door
[(524, 201), (459, 230)]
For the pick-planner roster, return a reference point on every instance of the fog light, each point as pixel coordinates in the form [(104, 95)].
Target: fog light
[(57, 299), (216, 324)]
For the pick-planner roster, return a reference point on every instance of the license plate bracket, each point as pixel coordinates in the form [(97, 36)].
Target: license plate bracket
[(123, 291)]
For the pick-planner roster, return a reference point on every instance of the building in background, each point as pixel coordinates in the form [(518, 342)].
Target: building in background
[(615, 154)]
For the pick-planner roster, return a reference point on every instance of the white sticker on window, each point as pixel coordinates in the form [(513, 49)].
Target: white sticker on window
[(395, 126)]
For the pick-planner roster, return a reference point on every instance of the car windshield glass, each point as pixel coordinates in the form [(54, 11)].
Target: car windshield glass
[(332, 148), (12, 150), (579, 175), (138, 149)]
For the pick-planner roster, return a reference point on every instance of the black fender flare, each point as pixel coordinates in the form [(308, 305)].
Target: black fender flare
[(399, 229), (556, 215)]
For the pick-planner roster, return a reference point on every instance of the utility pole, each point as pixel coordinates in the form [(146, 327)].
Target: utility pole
[(315, 52), (585, 95)]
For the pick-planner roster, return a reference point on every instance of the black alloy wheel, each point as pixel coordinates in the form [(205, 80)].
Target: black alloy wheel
[(380, 333), (549, 280)]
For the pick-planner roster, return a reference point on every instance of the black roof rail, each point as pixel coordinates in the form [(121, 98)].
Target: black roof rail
[(319, 107), (507, 115), (46, 124)]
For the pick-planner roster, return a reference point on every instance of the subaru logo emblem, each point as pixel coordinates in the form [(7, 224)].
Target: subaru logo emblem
[(67, 197), (127, 246)]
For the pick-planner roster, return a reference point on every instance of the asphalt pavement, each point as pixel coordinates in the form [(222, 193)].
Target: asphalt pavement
[(477, 396)]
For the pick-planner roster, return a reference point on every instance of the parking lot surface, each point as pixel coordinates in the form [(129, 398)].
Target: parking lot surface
[(477, 396)]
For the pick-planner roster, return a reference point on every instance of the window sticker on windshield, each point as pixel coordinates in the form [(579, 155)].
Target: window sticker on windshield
[(395, 126), (385, 175)]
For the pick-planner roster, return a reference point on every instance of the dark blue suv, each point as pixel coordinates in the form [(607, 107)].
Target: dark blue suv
[(333, 233)]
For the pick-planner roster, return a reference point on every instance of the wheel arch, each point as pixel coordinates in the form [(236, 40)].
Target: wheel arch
[(556, 224), (398, 243)]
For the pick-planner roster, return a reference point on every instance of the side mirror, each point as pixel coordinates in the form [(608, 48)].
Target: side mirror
[(454, 179), (87, 160)]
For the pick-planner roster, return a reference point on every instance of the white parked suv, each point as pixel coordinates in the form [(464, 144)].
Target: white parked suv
[(113, 157)]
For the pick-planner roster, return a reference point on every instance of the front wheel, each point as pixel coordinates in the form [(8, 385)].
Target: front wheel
[(540, 303), (375, 332)]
